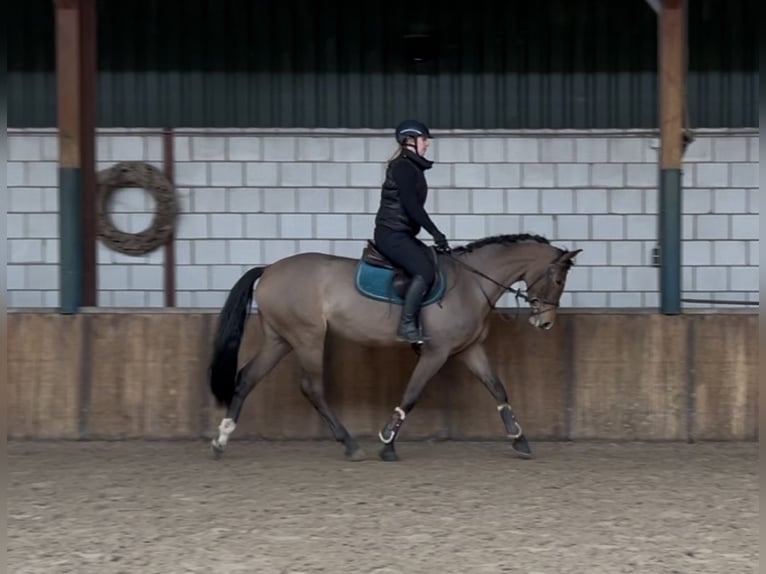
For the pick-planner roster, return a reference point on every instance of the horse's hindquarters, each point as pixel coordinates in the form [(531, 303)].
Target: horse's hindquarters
[(304, 295)]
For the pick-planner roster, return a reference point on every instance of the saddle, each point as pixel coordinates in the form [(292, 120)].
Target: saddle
[(371, 255), (400, 279)]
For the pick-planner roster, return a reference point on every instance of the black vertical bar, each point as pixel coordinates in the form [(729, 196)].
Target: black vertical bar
[(170, 256), (691, 377)]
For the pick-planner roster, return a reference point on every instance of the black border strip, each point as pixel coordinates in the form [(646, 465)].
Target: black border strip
[(691, 377), (86, 375)]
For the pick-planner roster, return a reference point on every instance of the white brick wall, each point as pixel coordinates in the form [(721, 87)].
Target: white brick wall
[(249, 198)]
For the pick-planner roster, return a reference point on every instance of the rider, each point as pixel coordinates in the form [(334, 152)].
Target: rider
[(401, 216)]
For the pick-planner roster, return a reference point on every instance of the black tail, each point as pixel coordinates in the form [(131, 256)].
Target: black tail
[(228, 336)]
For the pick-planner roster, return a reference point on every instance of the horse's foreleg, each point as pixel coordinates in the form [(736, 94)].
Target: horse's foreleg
[(475, 359), (428, 365), (274, 348)]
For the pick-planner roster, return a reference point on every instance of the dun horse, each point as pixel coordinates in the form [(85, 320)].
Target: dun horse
[(302, 296)]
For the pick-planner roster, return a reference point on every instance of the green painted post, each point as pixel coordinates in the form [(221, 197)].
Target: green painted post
[(672, 37), (670, 241), (71, 242), (75, 79)]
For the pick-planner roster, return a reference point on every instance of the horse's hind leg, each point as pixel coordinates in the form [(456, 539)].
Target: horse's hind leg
[(271, 351), (310, 357), (475, 358)]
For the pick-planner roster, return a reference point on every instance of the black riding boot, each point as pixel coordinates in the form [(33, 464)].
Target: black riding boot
[(408, 326)]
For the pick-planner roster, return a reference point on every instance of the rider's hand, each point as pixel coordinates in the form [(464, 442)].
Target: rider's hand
[(441, 243)]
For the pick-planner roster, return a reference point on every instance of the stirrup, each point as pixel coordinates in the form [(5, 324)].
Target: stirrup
[(417, 340), (419, 337)]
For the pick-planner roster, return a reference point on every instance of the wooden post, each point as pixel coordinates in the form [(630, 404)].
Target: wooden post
[(672, 38), (88, 81), (70, 174), (75, 68)]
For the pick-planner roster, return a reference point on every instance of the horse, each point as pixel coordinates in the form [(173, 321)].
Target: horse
[(302, 296)]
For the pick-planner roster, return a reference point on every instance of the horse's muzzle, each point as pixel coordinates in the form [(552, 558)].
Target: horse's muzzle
[(543, 320)]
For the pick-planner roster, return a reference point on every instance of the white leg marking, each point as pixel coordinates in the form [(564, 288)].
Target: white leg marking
[(226, 427)]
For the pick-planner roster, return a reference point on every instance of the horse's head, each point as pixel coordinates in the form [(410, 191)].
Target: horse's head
[(522, 257), (545, 279)]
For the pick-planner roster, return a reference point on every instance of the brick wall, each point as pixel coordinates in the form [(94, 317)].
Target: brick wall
[(249, 198)]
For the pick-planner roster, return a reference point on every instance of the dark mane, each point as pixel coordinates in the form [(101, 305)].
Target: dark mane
[(501, 240)]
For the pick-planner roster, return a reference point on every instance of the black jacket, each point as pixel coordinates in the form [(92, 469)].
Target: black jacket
[(404, 194)]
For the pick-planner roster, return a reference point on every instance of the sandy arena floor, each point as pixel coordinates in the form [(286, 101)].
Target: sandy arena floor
[(289, 508)]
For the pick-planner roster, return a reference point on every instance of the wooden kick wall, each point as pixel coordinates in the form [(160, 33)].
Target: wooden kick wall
[(608, 376)]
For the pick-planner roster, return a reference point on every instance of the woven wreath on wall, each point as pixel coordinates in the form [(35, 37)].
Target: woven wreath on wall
[(153, 180)]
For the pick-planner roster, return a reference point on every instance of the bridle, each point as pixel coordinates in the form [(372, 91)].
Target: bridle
[(532, 300)]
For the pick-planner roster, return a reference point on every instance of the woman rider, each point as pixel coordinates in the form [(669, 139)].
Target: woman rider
[(401, 216)]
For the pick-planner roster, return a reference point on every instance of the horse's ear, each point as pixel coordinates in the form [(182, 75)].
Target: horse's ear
[(569, 255)]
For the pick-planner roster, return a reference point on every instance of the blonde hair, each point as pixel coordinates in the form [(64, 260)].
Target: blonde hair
[(397, 153)]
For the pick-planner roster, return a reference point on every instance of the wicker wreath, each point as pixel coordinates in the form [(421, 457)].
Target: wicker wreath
[(148, 177)]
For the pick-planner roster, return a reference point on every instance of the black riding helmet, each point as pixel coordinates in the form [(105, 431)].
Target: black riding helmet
[(411, 128)]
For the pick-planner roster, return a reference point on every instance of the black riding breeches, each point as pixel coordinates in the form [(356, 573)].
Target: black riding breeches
[(408, 252)]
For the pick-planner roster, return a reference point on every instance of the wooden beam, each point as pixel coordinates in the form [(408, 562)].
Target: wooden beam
[(672, 38), (68, 63), (68, 81), (76, 85), (672, 44)]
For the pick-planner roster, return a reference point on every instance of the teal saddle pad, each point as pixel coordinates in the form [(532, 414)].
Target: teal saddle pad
[(390, 285)]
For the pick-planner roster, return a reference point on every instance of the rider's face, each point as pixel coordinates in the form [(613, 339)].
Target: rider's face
[(422, 145)]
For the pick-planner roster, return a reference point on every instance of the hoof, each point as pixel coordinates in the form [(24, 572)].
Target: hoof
[(356, 455), (388, 455), (216, 449), (521, 446)]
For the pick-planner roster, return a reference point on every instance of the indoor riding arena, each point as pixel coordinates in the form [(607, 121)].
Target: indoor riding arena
[(159, 151)]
